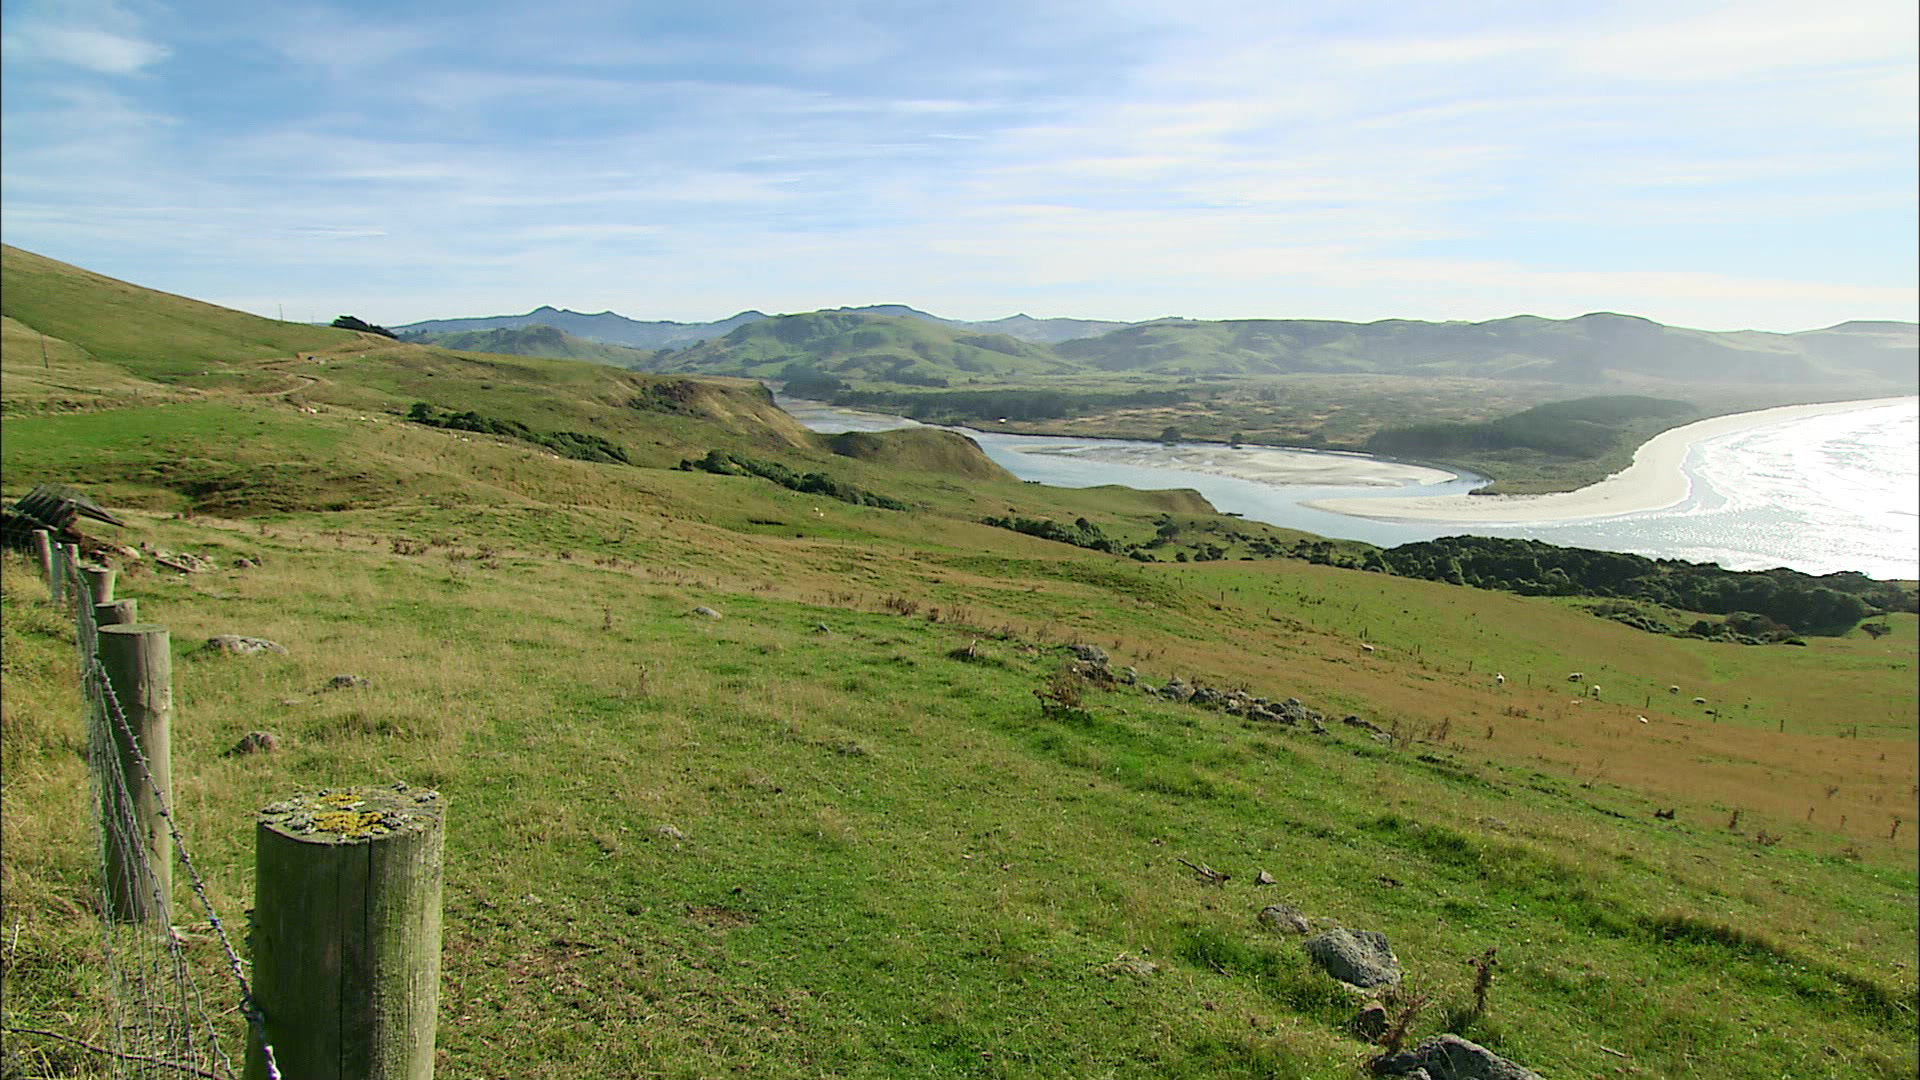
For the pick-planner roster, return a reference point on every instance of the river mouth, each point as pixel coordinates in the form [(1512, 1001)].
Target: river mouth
[(1751, 502)]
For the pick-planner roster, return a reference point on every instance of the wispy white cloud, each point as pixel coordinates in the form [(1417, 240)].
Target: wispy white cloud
[(1222, 157)]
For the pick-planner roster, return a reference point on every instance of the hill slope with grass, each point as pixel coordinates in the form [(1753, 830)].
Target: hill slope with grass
[(1588, 349), (854, 345), (883, 808)]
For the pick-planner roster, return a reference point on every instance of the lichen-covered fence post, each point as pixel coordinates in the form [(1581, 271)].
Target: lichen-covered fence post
[(43, 547), (139, 673), (346, 933), (116, 613), (70, 582), (99, 582)]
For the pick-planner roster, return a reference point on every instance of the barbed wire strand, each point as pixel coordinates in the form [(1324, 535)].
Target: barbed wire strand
[(248, 1006), (118, 822)]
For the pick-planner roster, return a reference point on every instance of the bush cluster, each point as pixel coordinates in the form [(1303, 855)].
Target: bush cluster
[(568, 444), (723, 463)]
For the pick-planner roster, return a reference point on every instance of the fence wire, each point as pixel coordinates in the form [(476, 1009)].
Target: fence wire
[(160, 1023)]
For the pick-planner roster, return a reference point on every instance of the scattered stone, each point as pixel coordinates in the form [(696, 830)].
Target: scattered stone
[(1129, 676), (1264, 879), (821, 628), (237, 645), (245, 562), (1176, 690), (1093, 654), (1207, 697), (1124, 964), (1367, 726), (348, 682), (1285, 919), (1370, 1022), (1451, 1057), (706, 612), (1149, 689), (255, 742), (668, 832), (1356, 957)]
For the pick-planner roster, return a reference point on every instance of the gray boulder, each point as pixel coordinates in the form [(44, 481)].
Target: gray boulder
[(1284, 919), (236, 645), (1092, 654), (1129, 676), (1450, 1057), (1206, 697), (705, 612), (1370, 1022), (349, 682), (1355, 957), (255, 742), (1176, 690)]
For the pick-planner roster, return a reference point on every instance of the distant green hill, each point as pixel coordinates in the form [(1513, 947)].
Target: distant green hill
[(537, 341), (856, 345), (1589, 349)]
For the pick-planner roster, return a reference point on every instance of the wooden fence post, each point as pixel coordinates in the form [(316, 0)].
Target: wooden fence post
[(346, 933), (69, 574), (43, 546), (138, 661), (116, 613), (99, 582)]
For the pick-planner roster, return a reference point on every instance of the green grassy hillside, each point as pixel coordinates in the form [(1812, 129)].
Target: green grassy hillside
[(835, 831), (877, 348), (1589, 349)]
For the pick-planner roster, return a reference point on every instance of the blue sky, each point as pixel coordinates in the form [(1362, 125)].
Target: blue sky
[(1710, 164)]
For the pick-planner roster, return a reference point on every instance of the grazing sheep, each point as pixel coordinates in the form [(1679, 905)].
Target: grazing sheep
[(1699, 701), (1673, 689), (1366, 646), (1593, 690), (1499, 679), (1643, 719), (1576, 676)]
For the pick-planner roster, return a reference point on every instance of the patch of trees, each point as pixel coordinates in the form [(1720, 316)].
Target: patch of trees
[(568, 444), (1770, 602), (1082, 533), (962, 405), (348, 322), (1586, 428), (722, 463)]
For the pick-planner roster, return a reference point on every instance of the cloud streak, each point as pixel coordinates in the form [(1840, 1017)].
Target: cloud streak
[(1711, 166)]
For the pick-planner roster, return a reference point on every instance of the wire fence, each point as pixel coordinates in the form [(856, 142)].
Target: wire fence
[(162, 1022)]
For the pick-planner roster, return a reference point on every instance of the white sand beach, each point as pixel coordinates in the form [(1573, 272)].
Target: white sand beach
[(1654, 481), (1260, 464)]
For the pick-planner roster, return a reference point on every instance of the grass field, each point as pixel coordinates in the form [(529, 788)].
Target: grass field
[(817, 837)]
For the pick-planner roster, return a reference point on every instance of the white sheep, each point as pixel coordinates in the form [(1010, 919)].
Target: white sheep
[(1673, 689), (1499, 679), (1643, 719), (1366, 646), (1699, 701), (1576, 676), (1593, 690)]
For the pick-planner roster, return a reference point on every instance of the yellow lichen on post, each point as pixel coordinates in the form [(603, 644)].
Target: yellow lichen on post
[(347, 933)]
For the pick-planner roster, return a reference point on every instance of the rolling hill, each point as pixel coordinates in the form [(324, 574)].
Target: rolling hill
[(536, 340), (854, 345), (747, 778)]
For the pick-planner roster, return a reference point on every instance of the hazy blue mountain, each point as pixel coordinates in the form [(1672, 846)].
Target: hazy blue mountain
[(1592, 348), (604, 327)]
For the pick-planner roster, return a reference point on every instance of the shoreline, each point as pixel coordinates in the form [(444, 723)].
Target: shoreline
[(1656, 480)]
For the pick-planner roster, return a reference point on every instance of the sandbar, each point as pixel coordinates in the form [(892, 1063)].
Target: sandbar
[(1261, 464), (1655, 481)]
